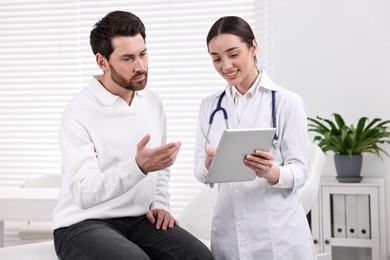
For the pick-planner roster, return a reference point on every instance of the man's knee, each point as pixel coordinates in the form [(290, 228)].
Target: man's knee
[(195, 249), (199, 251)]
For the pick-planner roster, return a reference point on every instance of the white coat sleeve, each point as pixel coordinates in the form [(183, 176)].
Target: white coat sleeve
[(201, 133), (293, 135)]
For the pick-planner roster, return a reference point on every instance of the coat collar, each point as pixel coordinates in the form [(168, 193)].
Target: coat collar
[(265, 82)]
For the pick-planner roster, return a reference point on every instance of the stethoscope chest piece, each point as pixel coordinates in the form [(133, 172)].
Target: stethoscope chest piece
[(276, 143)]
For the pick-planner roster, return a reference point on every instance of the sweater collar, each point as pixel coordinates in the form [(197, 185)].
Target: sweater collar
[(104, 96)]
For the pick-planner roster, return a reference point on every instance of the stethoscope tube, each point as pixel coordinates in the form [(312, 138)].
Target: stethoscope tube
[(275, 141), (218, 108), (211, 119)]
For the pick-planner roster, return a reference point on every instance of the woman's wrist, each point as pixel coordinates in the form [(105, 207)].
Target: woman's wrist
[(273, 175)]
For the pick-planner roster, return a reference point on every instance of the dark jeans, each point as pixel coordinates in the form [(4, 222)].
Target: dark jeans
[(126, 238)]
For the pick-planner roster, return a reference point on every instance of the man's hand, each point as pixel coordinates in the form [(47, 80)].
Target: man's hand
[(162, 218), (150, 160)]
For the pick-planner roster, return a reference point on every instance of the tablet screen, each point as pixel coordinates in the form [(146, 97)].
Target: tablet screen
[(228, 163)]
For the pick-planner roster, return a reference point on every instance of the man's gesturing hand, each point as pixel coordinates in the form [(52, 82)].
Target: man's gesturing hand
[(150, 160)]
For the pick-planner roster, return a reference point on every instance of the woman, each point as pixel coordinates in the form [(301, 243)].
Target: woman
[(260, 219)]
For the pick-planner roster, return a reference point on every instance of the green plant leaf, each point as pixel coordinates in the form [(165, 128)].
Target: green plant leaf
[(364, 137), (339, 120)]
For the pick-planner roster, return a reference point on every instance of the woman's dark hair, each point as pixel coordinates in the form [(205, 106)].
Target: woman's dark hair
[(116, 23), (232, 25)]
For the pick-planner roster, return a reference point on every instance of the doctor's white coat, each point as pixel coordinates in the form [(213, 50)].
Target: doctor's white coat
[(256, 220)]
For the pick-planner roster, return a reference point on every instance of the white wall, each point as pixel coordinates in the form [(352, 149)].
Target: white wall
[(336, 55)]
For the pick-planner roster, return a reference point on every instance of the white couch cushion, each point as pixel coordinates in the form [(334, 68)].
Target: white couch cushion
[(33, 251)]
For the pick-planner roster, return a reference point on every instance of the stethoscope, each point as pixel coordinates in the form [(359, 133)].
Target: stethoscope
[(275, 140)]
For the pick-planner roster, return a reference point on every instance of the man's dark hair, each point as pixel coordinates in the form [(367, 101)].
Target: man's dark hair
[(116, 23)]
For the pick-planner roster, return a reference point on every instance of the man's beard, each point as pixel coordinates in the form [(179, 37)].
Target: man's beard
[(126, 84)]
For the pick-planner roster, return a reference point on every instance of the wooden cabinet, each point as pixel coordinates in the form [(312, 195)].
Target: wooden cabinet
[(349, 219)]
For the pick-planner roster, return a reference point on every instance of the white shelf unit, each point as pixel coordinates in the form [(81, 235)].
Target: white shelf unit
[(349, 203)]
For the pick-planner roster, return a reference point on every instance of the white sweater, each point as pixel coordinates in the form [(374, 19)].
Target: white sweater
[(98, 139)]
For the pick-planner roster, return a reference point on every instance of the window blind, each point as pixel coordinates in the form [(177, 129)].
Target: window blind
[(46, 59)]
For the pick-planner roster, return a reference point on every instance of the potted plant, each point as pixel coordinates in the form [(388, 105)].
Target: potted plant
[(349, 142)]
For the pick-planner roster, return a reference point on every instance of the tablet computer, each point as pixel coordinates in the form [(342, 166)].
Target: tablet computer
[(228, 163)]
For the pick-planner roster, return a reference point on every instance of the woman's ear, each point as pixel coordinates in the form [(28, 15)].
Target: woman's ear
[(254, 47), (102, 62)]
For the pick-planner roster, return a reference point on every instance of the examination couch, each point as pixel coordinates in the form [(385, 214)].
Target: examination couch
[(195, 217)]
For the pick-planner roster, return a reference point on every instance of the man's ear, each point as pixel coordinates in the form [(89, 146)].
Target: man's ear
[(102, 62)]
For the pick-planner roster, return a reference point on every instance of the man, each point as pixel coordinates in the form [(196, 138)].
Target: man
[(114, 198)]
